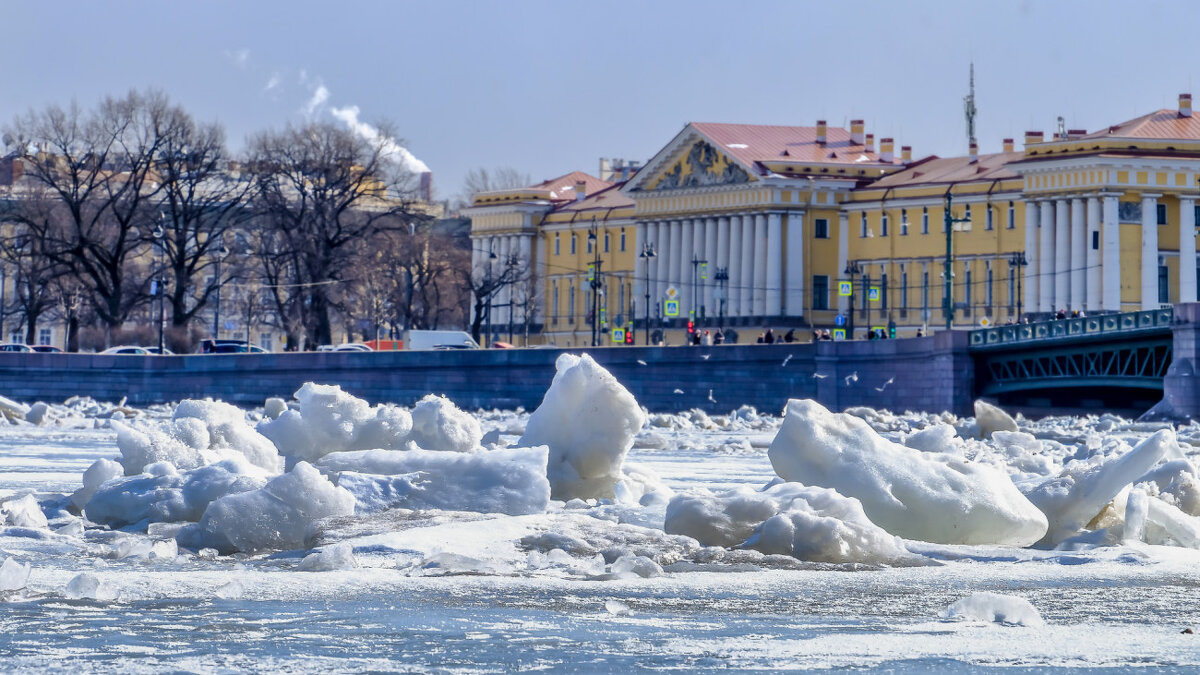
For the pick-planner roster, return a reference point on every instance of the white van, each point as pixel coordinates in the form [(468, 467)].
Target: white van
[(438, 339)]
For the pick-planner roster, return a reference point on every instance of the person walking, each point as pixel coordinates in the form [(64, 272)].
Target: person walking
[(769, 337)]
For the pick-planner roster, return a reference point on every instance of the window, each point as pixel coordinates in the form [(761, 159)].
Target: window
[(557, 248), (622, 239), (821, 228), (1012, 216), (989, 287), (589, 245), (925, 291), (820, 291), (16, 337), (969, 217), (989, 217), (883, 224), (883, 291), (573, 242), (863, 233), (606, 242), (1162, 214), (266, 341), (903, 288), (554, 302), (924, 220), (620, 300), (903, 222), (1196, 214), (1012, 288), (45, 335), (866, 284), (967, 288), (1095, 240), (1164, 286), (571, 303)]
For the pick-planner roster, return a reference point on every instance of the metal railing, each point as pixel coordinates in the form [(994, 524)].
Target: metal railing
[(1083, 326)]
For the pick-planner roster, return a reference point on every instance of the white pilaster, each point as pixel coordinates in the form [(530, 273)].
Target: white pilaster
[(760, 264), (1046, 258), (746, 278), (794, 277), (1187, 249), (1093, 255), (1110, 253), (687, 306), (1149, 293), (843, 302), (1078, 254), (1029, 302), (733, 306), (1062, 254), (641, 266), (774, 255), (710, 254)]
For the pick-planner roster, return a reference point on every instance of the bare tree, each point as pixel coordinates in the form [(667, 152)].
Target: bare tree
[(480, 179), (485, 282), (322, 189), (32, 273)]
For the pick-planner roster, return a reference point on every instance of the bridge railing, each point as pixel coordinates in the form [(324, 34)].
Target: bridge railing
[(1083, 326)]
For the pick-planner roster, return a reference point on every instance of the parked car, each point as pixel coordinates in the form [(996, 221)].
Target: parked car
[(211, 346), (126, 349), (15, 347), (154, 350), (353, 347), (47, 349)]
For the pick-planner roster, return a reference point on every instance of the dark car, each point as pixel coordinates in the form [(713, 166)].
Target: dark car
[(211, 346), (47, 349)]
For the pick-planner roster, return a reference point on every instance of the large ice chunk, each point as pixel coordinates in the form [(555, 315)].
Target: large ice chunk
[(588, 420), (276, 516), (437, 424), (13, 575), (167, 496), (101, 471), (1073, 498), (328, 419), (510, 481), (809, 523), (1008, 610), (199, 433), (929, 497), (989, 419), (22, 511)]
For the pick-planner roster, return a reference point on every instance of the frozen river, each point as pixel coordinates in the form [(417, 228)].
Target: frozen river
[(457, 591)]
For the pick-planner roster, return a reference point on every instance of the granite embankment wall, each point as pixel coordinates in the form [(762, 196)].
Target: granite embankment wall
[(932, 374)]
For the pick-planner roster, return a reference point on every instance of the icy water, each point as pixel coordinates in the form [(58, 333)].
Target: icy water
[(1111, 608)]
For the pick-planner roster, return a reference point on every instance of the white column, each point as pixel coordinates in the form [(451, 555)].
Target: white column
[(722, 243), (710, 254), (687, 249), (794, 276), (733, 306), (746, 277), (1029, 302), (1046, 257), (537, 282), (1149, 252), (676, 272), (1078, 254), (1187, 249), (760, 264), (843, 302), (1093, 255), (1062, 255), (641, 265), (774, 255), (1111, 255), (476, 257)]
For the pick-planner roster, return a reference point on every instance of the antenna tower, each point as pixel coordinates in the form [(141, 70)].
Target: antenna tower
[(969, 109)]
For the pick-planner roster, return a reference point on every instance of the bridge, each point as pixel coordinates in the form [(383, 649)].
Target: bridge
[(1127, 351)]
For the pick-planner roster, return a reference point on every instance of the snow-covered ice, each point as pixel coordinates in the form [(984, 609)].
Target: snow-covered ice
[(324, 532)]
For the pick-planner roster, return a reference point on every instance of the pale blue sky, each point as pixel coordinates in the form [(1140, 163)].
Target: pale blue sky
[(549, 87)]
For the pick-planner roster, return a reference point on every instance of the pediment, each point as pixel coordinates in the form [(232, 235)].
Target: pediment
[(699, 164)]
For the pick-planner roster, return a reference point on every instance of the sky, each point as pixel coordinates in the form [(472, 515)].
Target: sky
[(549, 87)]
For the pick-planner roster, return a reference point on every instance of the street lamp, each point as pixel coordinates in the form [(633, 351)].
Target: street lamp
[(1018, 260), (948, 269), (647, 253), (722, 277), (597, 285), (852, 269), (487, 285), (697, 263), (220, 254), (160, 236)]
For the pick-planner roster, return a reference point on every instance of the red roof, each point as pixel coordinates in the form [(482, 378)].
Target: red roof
[(607, 198), (563, 187), (751, 143), (1160, 124), (952, 170)]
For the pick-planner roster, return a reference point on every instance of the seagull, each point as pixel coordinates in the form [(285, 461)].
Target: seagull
[(678, 391), (786, 359), (641, 362), (705, 356), (710, 396), (819, 376), (852, 378), (885, 384)]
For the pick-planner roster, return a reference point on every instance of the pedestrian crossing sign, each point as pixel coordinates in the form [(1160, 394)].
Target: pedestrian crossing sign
[(839, 333), (618, 335), (845, 288), (873, 294), (671, 308)]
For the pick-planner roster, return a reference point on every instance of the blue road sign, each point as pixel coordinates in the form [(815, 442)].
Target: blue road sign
[(839, 320)]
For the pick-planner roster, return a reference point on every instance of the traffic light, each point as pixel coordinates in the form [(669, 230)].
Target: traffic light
[(629, 335), (691, 326)]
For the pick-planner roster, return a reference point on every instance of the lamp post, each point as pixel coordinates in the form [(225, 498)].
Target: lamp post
[(697, 263), (487, 285), (1018, 260), (647, 253), (513, 264), (948, 267), (597, 285), (3, 272), (160, 236), (722, 277), (220, 253), (852, 269)]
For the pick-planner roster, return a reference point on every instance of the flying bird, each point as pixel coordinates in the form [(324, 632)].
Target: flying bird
[(641, 362), (710, 396), (885, 384), (852, 378), (786, 359), (678, 391), (819, 376), (705, 356)]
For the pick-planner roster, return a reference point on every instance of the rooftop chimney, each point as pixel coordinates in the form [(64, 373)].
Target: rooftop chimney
[(606, 169), (974, 152), (426, 188), (1033, 138), (906, 153), (886, 152), (869, 145), (1008, 145), (580, 190), (821, 132), (1185, 105), (1073, 134), (856, 132)]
